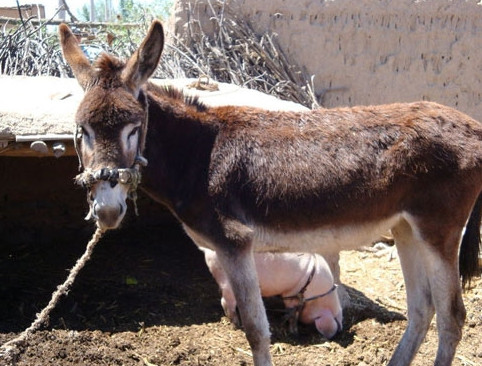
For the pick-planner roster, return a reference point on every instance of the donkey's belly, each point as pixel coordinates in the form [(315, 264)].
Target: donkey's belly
[(322, 240)]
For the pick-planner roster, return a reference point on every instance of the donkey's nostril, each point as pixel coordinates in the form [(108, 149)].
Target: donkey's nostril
[(338, 325), (121, 209), (108, 216)]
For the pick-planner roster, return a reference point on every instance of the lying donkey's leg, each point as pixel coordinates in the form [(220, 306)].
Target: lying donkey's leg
[(333, 260), (228, 301), (238, 262)]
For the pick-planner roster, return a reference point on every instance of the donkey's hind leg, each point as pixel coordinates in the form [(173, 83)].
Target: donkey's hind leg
[(419, 301), (443, 271), (429, 264), (241, 270)]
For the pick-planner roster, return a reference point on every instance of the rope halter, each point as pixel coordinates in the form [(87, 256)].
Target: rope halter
[(294, 312), (126, 176)]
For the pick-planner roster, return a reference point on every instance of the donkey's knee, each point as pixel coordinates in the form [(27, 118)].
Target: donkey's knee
[(254, 319), (241, 270)]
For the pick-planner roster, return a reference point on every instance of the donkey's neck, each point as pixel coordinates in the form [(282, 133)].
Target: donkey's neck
[(178, 148)]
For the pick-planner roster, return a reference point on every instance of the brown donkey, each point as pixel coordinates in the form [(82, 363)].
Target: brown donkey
[(243, 179)]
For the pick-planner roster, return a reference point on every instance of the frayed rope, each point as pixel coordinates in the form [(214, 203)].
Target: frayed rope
[(11, 350)]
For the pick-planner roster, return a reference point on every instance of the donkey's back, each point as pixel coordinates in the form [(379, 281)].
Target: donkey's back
[(298, 171)]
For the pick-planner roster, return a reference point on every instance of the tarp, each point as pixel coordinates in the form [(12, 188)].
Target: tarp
[(46, 105)]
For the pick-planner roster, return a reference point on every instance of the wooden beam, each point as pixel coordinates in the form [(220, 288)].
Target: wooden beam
[(24, 150), (4, 20)]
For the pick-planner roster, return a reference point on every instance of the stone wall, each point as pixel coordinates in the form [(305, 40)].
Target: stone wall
[(366, 51)]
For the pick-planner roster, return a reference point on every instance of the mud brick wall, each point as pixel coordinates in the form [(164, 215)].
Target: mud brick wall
[(369, 52)]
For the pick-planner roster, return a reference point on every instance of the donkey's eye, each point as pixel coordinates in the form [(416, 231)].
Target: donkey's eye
[(133, 132), (85, 133)]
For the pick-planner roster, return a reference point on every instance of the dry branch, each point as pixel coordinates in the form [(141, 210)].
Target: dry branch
[(234, 54), (35, 21)]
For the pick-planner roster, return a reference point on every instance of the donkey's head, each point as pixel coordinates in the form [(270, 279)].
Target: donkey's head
[(112, 122)]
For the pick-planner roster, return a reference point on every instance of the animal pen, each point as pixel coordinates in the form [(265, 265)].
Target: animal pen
[(146, 297)]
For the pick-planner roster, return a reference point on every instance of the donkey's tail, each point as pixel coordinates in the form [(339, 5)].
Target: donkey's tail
[(470, 247)]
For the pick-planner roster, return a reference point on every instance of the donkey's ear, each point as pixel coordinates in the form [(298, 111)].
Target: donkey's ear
[(74, 56), (143, 62)]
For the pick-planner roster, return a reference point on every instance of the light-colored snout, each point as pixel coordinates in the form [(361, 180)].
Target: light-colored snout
[(328, 324), (108, 206)]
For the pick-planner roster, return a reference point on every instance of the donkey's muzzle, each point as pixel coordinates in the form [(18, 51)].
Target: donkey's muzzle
[(108, 216), (107, 198)]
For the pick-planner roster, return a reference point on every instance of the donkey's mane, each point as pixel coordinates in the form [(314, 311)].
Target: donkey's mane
[(108, 65), (107, 71), (176, 94)]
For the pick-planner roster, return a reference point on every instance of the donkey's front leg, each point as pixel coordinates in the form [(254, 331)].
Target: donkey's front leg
[(238, 262)]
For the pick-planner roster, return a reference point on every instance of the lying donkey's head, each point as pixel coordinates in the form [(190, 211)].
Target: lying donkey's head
[(111, 122)]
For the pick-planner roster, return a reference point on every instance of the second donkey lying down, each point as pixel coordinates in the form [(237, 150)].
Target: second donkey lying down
[(304, 281)]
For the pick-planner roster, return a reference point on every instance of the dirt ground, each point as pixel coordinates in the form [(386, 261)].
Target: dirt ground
[(147, 298)]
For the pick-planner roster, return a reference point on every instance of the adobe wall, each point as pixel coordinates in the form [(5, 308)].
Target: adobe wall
[(37, 10), (369, 51)]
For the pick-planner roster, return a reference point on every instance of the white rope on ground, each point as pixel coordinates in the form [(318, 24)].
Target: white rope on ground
[(12, 348)]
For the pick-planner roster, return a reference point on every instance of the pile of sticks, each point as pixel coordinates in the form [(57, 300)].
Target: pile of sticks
[(31, 47), (234, 54), (30, 50)]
